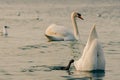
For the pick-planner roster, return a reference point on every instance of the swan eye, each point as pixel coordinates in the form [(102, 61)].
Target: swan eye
[(78, 14), (5, 26)]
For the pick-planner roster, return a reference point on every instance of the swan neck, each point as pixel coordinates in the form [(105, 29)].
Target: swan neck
[(75, 28), (68, 66)]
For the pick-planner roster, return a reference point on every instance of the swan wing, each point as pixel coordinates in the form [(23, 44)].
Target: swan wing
[(57, 32)]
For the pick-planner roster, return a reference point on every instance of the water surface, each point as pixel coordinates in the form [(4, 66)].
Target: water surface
[(27, 55)]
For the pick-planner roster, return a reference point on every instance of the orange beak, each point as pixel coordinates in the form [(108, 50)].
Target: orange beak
[(81, 17)]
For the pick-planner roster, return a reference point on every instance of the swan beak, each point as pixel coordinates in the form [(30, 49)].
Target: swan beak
[(81, 17)]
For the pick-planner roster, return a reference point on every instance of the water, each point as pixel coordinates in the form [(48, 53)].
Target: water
[(25, 54)]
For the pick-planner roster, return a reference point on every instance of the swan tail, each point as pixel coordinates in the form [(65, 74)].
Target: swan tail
[(93, 34)]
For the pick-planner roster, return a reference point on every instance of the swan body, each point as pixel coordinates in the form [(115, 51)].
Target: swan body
[(3, 31), (93, 56), (60, 33)]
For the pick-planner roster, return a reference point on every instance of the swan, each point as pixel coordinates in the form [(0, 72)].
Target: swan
[(3, 31), (60, 33), (92, 58)]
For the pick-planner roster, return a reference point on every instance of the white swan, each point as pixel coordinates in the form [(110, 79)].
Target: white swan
[(60, 33), (93, 56), (3, 31)]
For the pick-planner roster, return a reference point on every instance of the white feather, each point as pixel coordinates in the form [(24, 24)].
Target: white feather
[(93, 56)]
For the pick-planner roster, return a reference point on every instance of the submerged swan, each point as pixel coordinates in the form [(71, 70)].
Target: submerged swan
[(93, 57), (3, 32), (60, 33)]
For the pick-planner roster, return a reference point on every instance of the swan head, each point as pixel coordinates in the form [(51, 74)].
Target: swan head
[(79, 16), (6, 26), (76, 14), (72, 60)]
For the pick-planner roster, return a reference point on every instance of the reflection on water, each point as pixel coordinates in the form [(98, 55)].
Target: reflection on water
[(72, 74), (77, 75)]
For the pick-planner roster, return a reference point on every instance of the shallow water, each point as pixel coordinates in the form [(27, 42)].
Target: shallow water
[(25, 54)]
